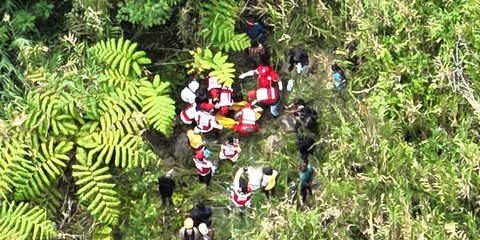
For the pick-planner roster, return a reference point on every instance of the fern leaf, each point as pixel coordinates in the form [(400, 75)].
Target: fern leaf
[(20, 221), (99, 195)]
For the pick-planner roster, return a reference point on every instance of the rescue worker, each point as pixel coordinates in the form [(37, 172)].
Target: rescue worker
[(225, 100), (188, 231), (204, 166), (254, 31), (240, 193), (188, 114), (338, 77), (269, 181), (267, 78), (201, 214), (206, 121), (207, 233), (306, 178), (230, 149), (298, 60), (166, 185), (247, 121), (213, 88), (188, 94)]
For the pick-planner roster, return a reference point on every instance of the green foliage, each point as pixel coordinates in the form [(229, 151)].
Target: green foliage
[(24, 20), (218, 25), (146, 13), (217, 64), (120, 55), (158, 107), (96, 189), (42, 9), (21, 221)]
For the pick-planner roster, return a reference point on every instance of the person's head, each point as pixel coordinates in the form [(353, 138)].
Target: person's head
[(202, 97), (299, 102), (188, 223), (200, 206), (335, 67), (230, 140), (169, 174), (268, 170), (203, 229), (251, 22), (303, 167)]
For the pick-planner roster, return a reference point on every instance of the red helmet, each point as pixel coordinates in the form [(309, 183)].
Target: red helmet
[(251, 95), (248, 105)]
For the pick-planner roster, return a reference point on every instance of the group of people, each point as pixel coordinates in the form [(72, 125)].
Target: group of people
[(211, 108)]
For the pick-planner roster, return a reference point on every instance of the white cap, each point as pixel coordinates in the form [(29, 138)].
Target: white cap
[(202, 228), (169, 174), (193, 85)]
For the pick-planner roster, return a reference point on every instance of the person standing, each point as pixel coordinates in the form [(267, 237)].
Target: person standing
[(207, 233), (269, 181), (306, 178), (298, 60), (188, 231), (240, 194), (201, 214), (166, 185), (338, 77), (204, 166)]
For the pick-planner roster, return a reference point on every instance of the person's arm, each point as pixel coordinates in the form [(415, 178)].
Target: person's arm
[(247, 74)]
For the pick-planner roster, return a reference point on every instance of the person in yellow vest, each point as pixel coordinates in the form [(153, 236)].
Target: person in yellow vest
[(269, 181)]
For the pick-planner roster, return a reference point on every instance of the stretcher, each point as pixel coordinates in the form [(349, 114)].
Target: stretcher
[(228, 122)]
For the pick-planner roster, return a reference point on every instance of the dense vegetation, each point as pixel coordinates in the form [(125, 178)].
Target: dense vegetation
[(89, 92)]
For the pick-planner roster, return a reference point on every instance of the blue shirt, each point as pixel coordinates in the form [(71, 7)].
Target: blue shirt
[(255, 32), (306, 176)]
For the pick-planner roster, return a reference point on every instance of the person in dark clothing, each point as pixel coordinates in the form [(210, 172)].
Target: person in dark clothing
[(304, 114), (305, 147), (166, 185), (298, 55), (254, 31), (201, 214), (306, 178)]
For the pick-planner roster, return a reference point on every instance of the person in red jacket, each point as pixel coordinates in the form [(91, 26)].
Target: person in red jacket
[(225, 100), (241, 193), (266, 77), (206, 121), (213, 88), (247, 121), (204, 166)]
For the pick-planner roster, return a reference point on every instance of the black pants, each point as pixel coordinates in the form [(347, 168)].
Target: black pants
[(307, 188), (205, 179), (167, 201), (268, 192)]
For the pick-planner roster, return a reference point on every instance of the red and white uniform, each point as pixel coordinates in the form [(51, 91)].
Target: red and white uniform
[(213, 87), (247, 121), (206, 122), (266, 75), (225, 100), (267, 96), (241, 199), (204, 167), (229, 151), (188, 114)]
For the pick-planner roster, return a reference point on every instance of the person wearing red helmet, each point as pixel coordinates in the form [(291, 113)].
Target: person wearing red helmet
[(206, 120), (225, 100), (264, 96), (213, 88), (247, 120), (204, 166)]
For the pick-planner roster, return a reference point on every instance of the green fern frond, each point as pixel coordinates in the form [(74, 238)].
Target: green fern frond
[(96, 190), (19, 221), (121, 56), (158, 107), (50, 161), (13, 162), (217, 64), (114, 79), (50, 200), (218, 25), (126, 150)]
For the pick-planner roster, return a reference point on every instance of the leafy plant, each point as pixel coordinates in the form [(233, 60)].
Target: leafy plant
[(146, 13), (217, 64)]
